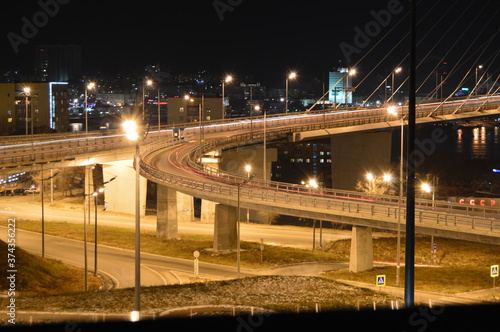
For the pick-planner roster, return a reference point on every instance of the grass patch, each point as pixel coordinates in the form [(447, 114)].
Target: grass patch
[(43, 276), (186, 245), (277, 293), (462, 266), (446, 280)]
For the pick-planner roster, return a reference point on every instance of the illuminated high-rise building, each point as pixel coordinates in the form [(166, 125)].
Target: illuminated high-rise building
[(340, 84), (57, 63), (41, 109)]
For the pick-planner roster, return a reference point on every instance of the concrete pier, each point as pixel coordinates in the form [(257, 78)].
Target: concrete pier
[(361, 249), (166, 224), (225, 227)]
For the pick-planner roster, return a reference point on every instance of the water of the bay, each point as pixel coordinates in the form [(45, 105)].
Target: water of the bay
[(462, 159)]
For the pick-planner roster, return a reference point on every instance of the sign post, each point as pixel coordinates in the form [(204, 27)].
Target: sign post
[(434, 249), (261, 250), (380, 280), (494, 273), (196, 254)]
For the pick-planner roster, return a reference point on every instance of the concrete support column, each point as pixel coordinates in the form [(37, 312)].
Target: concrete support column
[(207, 211), (166, 222), (361, 249), (355, 154), (225, 230), (120, 194), (185, 206), (211, 160), (234, 161)]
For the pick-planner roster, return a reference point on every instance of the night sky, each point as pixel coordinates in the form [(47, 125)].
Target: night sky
[(261, 38)]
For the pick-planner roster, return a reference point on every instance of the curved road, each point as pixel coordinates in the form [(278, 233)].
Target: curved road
[(118, 264)]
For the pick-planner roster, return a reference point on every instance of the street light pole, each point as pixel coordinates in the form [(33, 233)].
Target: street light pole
[(148, 82), (292, 75), (26, 94), (159, 113), (133, 135), (238, 235), (477, 87), (248, 168), (238, 232), (393, 93), (392, 110), (409, 293), (264, 166), (226, 80), (100, 190), (137, 297), (43, 209), (87, 87)]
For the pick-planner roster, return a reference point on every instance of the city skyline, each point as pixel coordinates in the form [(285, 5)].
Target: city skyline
[(249, 38)]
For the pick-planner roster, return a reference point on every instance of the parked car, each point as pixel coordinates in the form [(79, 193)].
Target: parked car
[(31, 191), (19, 191), (7, 192)]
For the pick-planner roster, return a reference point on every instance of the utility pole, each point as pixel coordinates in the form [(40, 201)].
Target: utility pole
[(409, 293)]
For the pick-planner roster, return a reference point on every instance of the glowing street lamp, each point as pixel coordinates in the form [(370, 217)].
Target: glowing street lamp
[(26, 92), (428, 188), (291, 76), (313, 184), (226, 80), (477, 68), (147, 83), (395, 71), (350, 72), (89, 86)]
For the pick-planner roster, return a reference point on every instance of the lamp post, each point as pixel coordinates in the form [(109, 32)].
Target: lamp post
[(290, 76), (392, 111), (395, 71), (85, 262), (248, 168), (159, 112), (43, 209), (477, 87), (264, 166), (226, 80), (87, 87), (26, 92), (147, 83), (252, 109), (238, 228), (99, 190), (133, 135), (350, 72), (430, 188)]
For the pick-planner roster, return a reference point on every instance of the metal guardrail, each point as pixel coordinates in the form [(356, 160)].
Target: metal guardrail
[(384, 207), (323, 203), (332, 201)]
